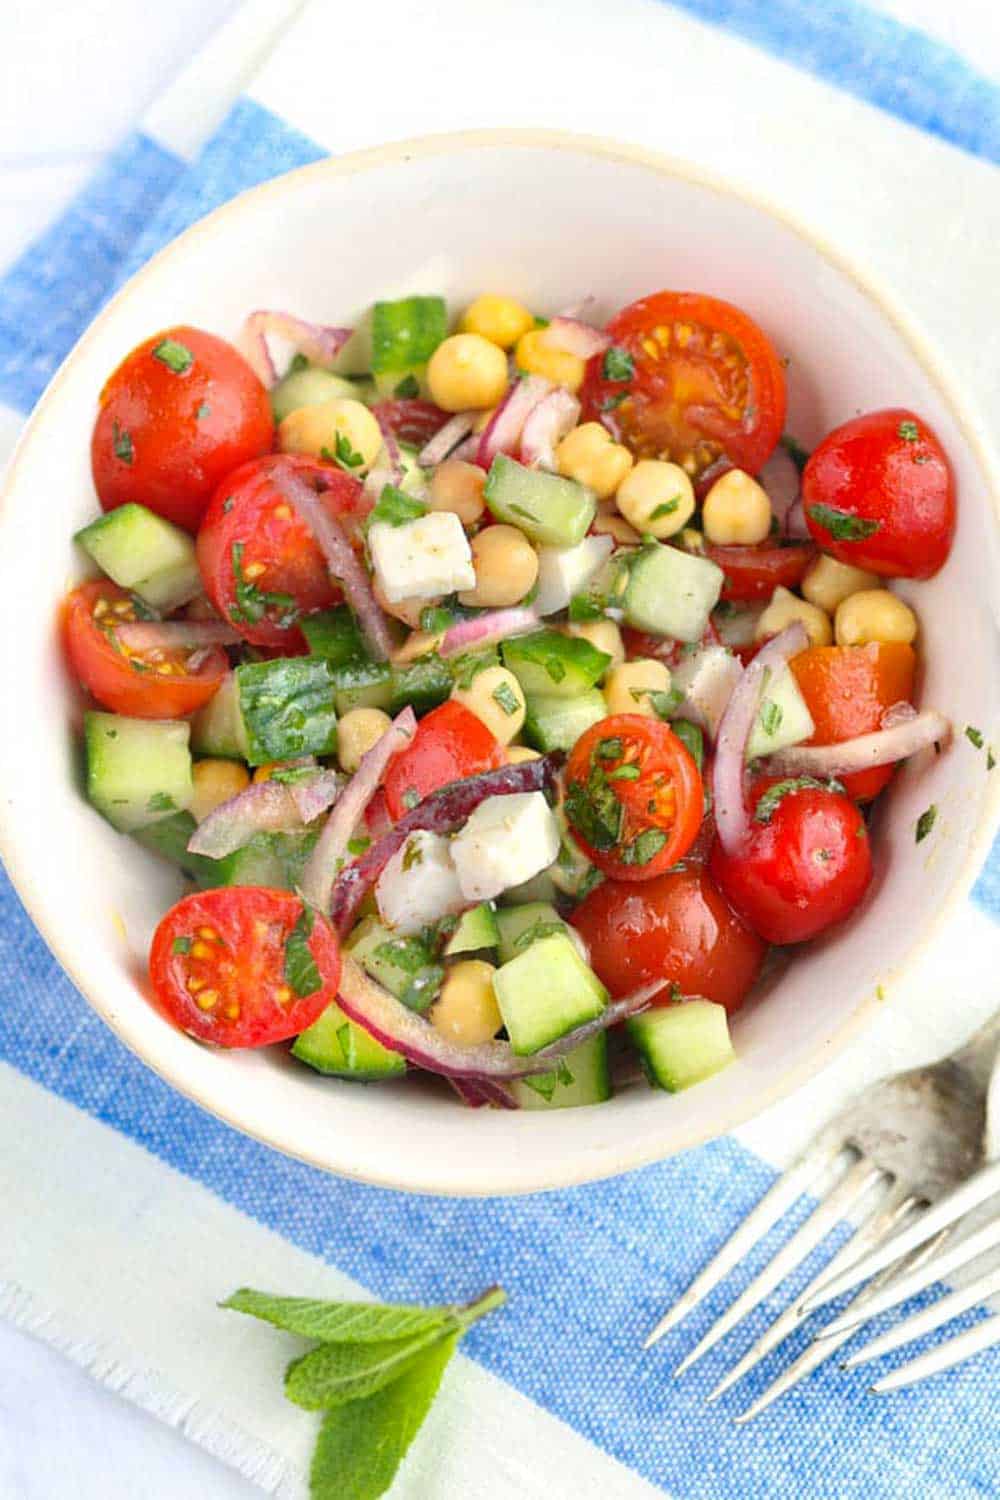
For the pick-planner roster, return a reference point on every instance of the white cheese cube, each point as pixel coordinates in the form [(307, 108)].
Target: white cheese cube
[(565, 571), (419, 884), (421, 558), (504, 843)]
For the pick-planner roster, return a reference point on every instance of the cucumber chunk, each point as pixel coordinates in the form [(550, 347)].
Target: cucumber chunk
[(336, 1046), (334, 633), (683, 1044), (783, 718), (582, 1077), (424, 683), (557, 723), (549, 664), (405, 966), (545, 992), (404, 336), (273, 859), (520, 926), (361, 684), (168, 837), (138, 770), (476, 930), (309, 386), (670, 592), (141, 551), (550, 510), (218, 728), (287, 706)]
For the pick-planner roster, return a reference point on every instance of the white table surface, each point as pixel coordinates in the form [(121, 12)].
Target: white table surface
[(73, 79)]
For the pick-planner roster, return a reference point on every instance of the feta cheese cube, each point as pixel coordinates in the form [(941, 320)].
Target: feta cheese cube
[(421, 558), (565, 571), (504, 843), (419, 884)]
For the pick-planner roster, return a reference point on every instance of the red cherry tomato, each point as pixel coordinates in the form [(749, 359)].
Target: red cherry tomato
[(244, 966), (805, 865), (847, 690), (634, 797), (143, 684), (690, 379), (879, 493), (753, 573), (642, 643), (261, 566), (180, 411), (414, 422), (676, 928), (450, 744)]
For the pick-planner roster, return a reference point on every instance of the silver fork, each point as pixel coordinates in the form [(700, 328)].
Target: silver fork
[(911, 1152)]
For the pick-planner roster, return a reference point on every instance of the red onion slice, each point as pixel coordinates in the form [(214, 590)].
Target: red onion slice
[(331, 850), (731, 817), (483, 630), (446, 438), (265, 807), (502, 433), (319, 343), (796, 525), (341, 559), (442, 812), (475, 1095), (554, 416), (904, 738), (575, 337), (176, 635), (780, 478)]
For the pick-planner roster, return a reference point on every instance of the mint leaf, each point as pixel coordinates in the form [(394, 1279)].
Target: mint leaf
[(842, 525), (301, 973), (618, 364), (175, 355), (926, 822), (335, 1373), (408, 388), (396, 508), (253, 602), (362, 1444), (666, 508), (691, 738), (338, 1322), (768, 803), (121, 441), (343, 454)]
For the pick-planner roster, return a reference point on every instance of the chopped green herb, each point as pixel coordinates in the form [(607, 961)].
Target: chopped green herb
[(411, 798), (537, 931), (434, 619), (175, 355), (396, 508), (407, 953), (358, 846), (508, 700), (121, 441), (204, 412), (408, 388), (590, 882), (228, 504), (610, 749), (181, 945), (254, 603), (585, 607), (771, 715), (926, 822), (768, 803), (841, 525), (466, 667), (909, 431), (666, 508), (301, 973), (161, 802), (555, 668), (974, 735), (618, 364), (644, 848), (991, 760), (609, 403), (665, 705), (342, 453), (413, 854), (292, 775), (594, 811), (691, 738), (298, 362)]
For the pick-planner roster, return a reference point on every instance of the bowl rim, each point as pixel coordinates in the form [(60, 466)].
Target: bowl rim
[(626, 1157)]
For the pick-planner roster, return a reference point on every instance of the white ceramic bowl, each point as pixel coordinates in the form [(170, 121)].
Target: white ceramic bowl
[(548, 219)]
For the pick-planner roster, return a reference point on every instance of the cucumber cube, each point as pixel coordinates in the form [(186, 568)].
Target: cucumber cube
[(309, 387), (671, 592), (404, 336), (141, 551), (545, 992), (582, 1077), (405, 966), (336, 1046), (138, 770), (549, 664), (520, 926), (682, 1044), (477, 929), (287, 707), (557, 723), (783, 718), (218, 728), (550, 510)]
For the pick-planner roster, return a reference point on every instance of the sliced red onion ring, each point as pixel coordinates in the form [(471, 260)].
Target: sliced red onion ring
[(467, 450), (880, 748), (475, 1095), (265, 807), (731, 818), (502, 432), (176, 635), (483, 630), (437, 449), (316, 341), (554, 416), (442, 812), (780, 478), (341, 559), (395, 463), (575, 337), (330, 852)]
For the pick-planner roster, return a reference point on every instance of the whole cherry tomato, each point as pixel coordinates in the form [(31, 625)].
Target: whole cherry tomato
[(450, 743)]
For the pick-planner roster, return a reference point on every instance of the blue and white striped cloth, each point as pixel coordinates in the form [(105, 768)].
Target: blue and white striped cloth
[(151, 1208)]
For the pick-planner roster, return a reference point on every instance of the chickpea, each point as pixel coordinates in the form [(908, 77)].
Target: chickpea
[(506, 567), (605, 635), (466, 371), (407, 610), (627, 688), (215, 781), (458, 486), (518, 753), (558, 365), (590, 455), (357, 732), (829, 582), (874, 615), (466, 1011), (316, 429), (610, 522), (417, 644), (657, 498), (497, 699), (736, 511), (784, 609), (499, 319)]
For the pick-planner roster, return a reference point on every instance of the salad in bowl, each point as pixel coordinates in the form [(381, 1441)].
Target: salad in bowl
[(508, 689)]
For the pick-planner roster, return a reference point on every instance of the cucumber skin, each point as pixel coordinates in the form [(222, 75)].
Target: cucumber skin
[(681, 1045), (557, 723), (141, 551), (514, 921), (287, 707), (476, 931), (532, 657)]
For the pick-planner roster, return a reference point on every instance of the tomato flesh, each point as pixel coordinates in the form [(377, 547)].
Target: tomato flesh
[(244, 966), (151, 684), (753, 573), (450, 744), (634, 796), (848, 690), (700, 384), (182, 410), (676, 927)]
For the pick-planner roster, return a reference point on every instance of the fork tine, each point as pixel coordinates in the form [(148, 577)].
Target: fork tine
[(754, 1227), (935, 1269), (880, 1222), (940, 1312), (974, 1340), (975, 1190), (857, 1180)]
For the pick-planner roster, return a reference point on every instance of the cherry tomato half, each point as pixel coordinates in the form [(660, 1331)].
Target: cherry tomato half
[(677, 928), (179, 412), (260, 563), (414, 422), (805, 865), (450, 744), (753, 573), (879, 493), (634, 796), (244, 966), (847, 690), (155, 684), (692, 379)]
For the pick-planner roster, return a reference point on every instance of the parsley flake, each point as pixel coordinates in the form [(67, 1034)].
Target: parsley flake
[(771, 715), (925, 823), (504, 694), (161, 802), (408, 388), (342, 453), (666, 508), (842, 525), (175, 355), (909, 431), (254, 603), (618, 364), (395, 508), (300, 972), (121, 440), (767, 805), (181, 945), (974, 735)]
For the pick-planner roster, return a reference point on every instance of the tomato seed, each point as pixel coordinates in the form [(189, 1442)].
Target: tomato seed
[(255, 570), (195, 984), (282, 512), (209, 935), (202, 950), (207, 999), (283, 994)]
